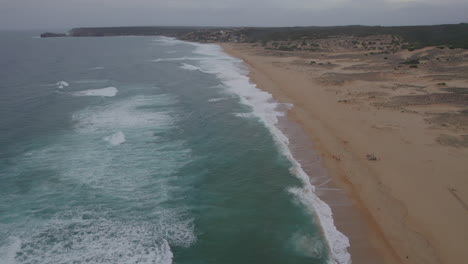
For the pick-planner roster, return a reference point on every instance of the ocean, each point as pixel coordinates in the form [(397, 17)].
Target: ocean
[(148, 150)]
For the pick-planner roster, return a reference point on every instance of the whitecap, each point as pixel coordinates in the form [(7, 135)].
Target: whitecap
[(245, 115), (62, 84), (97, 68), (189, 67), (216, 100), (115, 139), (125, 114), (106, 92)]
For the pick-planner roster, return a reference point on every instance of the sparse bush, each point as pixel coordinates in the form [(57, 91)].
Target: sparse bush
[(411, 61), (285, 48)]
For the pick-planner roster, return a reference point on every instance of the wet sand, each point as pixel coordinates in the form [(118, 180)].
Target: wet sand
[(392, 138)]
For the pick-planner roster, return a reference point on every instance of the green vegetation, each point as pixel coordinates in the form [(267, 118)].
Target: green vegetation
[(411, 61), (131, 31), (454, 35), (415, 37), (457, 90), (286, 48)]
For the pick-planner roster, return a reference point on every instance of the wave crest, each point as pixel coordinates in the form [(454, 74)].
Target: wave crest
[(106, 92)]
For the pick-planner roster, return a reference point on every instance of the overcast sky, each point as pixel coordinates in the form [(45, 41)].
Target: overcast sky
[(50, 14)]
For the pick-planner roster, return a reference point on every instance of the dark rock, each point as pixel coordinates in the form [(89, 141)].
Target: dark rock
[(52, 35), (371, 157)]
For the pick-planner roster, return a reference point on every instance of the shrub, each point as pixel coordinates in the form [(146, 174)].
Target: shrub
[(285, 48), (411, 61)]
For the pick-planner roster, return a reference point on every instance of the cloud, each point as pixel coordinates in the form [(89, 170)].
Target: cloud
[(24, 14)]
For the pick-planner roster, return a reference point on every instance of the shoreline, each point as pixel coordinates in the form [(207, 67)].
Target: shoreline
[(347, 219), (397, 230), (272, 115)]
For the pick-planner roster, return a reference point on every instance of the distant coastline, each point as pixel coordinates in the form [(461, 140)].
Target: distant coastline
[(412, 37)]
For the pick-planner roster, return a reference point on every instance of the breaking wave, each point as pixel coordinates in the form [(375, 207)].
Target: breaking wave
[(106, 92)]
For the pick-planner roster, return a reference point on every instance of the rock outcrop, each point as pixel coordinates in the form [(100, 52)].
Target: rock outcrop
[(52, 35)]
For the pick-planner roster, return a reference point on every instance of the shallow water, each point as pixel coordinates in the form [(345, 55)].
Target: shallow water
[(147, 150)]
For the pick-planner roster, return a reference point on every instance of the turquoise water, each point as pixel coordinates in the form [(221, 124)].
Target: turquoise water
[(147, 150)]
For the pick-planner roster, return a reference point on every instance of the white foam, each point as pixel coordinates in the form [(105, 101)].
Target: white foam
[(171, 51), (245, 115), (97, 68), (62, 84), (166, 41), (233, 73), (115, 139), (8, 252), (106, 92), (216, 99), (84, 238), (125, 114), (189, 67), (179, 59), (88, 81)]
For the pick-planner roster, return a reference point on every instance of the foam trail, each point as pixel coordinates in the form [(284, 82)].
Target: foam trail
[(106, 92), (233, 73), (179, 59), (115, 139)]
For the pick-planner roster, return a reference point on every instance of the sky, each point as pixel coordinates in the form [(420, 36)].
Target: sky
[(66, 14)]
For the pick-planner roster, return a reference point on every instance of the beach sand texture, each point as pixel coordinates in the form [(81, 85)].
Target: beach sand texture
[(393, 137)]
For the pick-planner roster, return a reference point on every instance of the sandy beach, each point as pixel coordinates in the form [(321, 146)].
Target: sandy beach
[(392, 136)]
